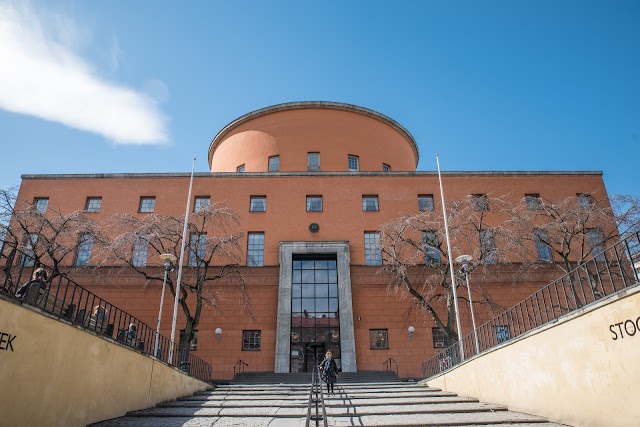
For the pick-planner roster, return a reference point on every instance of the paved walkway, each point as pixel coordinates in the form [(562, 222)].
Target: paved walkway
[(366, 404)]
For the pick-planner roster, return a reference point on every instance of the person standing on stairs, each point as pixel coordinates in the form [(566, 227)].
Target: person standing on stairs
[(330, 370)]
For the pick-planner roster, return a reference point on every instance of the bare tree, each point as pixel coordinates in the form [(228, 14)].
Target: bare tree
[(212, 257), (576, 228), (416, 259), (626, 210), (569, 232), (47, 236)]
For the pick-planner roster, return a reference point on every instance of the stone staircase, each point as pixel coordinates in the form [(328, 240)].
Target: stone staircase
[(360, 404), (305, 377)]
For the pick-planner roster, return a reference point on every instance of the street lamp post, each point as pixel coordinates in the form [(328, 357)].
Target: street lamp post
[(465, 260), (168, 260)]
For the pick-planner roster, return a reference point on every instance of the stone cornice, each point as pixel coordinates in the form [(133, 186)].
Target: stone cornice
[(302, 174)]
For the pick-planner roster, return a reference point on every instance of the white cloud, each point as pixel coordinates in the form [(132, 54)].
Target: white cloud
[(42, 76)]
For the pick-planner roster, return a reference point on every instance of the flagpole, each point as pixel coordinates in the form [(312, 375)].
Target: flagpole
[(453, 277), (180, 263)]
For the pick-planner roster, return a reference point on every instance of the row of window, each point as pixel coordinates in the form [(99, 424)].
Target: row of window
[(480, 202), (313, 163), (379, 338), (373, 251), (257, 203), (94, 204), (369, 202), (372, 248), (488, 252), (250, 340), (314, 203)]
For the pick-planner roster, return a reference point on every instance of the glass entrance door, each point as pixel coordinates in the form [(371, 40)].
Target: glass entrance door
[(315, 322), (315, 355)]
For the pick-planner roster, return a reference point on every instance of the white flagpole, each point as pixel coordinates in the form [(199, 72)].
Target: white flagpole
[(180, 263), (453, 277)]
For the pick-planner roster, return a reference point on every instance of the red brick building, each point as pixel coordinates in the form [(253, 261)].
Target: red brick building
[(312, 183)]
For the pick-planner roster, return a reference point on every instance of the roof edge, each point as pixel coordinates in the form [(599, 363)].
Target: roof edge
[(301, 174)]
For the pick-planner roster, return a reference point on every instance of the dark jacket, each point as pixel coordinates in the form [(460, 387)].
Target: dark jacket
[(24, 289), (330, 369)]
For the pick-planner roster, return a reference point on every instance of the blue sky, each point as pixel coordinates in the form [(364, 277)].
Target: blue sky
[(143, 86)]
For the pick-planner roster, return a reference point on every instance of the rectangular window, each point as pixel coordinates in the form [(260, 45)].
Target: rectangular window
[(274, 163), (197, 249), (193, 344), (140, 253), (314, 203), (240, 168), (147, 204), (596, 240), (488, 253), (370, 203), (386, 168), (93, 204), (439, 338), (313, 161), (430, 247), (27, 259), (201, 202), (542, 246), (354, 163), (41, 204), (85, 244), (425, 202), (480, 202), (534, 202), (502, 333), (255, 249), (251, 340), (585, 201), (378, 339), (258, 204), (372, 250)]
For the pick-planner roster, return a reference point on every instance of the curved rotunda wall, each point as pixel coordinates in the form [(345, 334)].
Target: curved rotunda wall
[(292, 133)]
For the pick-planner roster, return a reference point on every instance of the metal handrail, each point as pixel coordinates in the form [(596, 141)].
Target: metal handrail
[(240, 368), (316, 403), (605, 273), (388, 362), (62, 297)]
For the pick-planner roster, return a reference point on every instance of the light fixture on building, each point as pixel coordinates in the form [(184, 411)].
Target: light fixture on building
[(218, 332), (465, 260), (411, 330), (168, 260)]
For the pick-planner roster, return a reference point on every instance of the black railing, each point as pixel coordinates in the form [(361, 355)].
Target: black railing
[(389, 364), (606, 273), (316, 411), (240, 365), (56, 294)]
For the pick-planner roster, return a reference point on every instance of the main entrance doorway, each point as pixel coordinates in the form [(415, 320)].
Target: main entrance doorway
[(315, 315)]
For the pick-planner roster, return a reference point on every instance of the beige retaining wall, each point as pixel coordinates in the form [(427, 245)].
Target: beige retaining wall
[(54, 374), (581, 371)]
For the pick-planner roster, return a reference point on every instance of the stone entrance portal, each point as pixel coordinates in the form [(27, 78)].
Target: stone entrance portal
[(308, 293)]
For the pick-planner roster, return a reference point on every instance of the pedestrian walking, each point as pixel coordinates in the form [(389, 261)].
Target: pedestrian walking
[(329, 369)]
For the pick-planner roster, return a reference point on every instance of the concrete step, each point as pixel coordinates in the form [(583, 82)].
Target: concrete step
[(363, 404), (305, 377)]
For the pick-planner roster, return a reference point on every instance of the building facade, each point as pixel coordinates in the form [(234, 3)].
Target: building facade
[(313, 182)]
